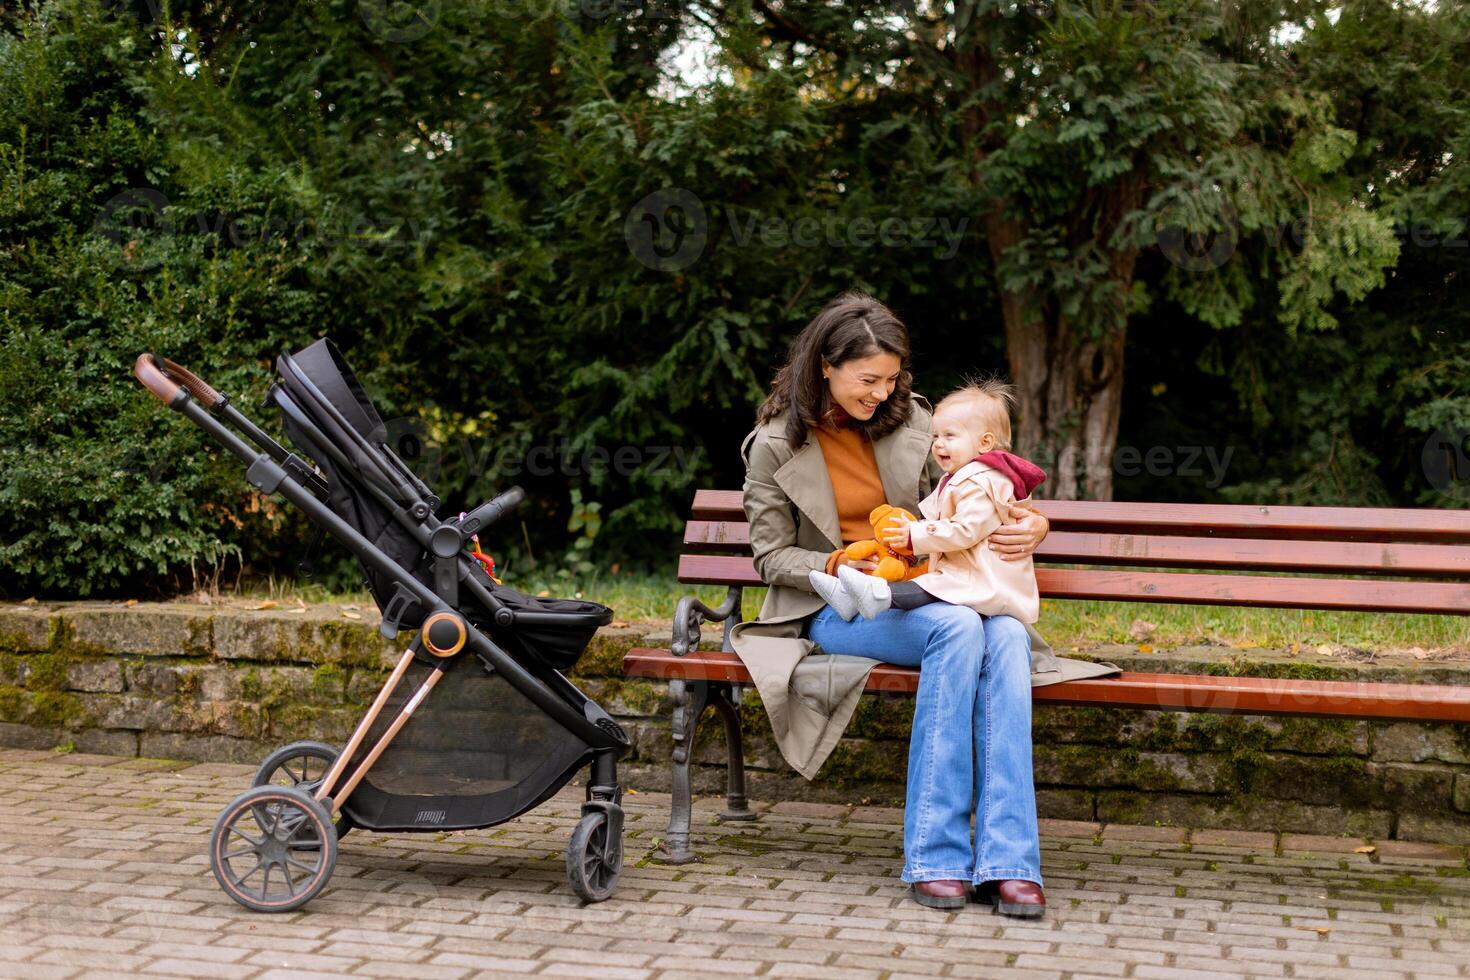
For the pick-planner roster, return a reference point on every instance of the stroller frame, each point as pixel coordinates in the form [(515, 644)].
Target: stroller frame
[(296, 827)]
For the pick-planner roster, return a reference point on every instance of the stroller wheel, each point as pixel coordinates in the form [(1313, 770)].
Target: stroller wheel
[(303, 765), (273, 848), (594, 860)]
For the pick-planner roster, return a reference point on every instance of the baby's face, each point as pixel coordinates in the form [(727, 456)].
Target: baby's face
[(958, 438)]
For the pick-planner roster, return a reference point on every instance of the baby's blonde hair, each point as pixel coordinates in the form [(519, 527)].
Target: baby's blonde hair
[(988, 402)]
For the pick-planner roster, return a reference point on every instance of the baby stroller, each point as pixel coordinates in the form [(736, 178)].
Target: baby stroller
[(496, 728)]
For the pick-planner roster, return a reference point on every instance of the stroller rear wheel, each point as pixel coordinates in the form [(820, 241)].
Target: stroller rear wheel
[(594, 858), (273, 848), (303, 765)]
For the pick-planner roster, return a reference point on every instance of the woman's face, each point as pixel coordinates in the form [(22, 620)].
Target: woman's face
[(863, 383)]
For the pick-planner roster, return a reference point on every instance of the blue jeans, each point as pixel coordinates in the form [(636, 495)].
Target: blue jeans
[(970, 750)]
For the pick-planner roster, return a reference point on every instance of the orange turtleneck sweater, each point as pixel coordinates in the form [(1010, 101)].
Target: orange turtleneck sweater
[(856, 486)]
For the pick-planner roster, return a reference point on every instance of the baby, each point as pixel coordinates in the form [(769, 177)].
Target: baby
[(972, 436)]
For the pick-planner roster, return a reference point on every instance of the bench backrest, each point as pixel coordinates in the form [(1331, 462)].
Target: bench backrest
[(1399, 560)]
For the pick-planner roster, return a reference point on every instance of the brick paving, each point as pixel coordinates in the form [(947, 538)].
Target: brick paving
[(103, 873)]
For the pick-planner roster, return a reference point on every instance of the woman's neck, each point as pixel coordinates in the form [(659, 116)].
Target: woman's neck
[(838, 418)]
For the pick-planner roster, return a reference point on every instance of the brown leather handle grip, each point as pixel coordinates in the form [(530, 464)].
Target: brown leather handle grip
[(164, 378), (146, 370)]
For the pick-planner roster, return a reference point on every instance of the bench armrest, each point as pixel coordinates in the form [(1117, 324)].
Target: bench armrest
[(690, 614)]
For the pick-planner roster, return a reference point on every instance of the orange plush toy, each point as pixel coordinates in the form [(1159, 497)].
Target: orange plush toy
[(894, 565)]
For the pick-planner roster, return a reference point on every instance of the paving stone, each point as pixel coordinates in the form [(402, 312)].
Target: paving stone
[(1234, 838), (102, 872), (1139, 832)]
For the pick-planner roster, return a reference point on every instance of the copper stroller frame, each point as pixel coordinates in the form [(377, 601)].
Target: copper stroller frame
[(445, 632)]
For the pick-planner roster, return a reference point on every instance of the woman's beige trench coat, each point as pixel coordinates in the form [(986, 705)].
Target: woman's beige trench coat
[(808, 695)]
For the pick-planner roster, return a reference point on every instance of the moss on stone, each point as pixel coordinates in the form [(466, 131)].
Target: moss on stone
[(13, 702), (329, 683), (55, 709), (604, 654), (339, 643), (252, 688), (47, 671)]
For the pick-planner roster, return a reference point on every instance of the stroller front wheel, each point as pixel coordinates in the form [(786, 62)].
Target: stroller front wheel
[(303, 765), (594, 858), (273, 848)]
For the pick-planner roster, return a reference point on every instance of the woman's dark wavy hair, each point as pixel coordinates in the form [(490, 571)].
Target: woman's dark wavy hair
[(854, 325)]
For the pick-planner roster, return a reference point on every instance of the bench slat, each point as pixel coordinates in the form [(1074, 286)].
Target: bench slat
[(1405, 524), (1170, 692), (1267, 592), (1235, 554), (1274, 592)]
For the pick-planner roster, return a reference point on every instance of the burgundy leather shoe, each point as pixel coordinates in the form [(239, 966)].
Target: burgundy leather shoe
[(950, 893), (1014, 896)]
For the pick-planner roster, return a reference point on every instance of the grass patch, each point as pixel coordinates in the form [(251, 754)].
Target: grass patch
[(1066, 624)]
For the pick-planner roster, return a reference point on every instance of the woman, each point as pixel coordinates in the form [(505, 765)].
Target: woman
[(839, 434)]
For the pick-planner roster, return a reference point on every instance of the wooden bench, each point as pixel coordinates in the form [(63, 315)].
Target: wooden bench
[(1400, 560)]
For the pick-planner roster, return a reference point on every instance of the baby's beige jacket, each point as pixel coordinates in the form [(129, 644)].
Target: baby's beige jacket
[(962, 570)]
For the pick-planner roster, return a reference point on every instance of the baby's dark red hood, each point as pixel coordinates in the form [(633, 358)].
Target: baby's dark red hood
[(1024, 475)]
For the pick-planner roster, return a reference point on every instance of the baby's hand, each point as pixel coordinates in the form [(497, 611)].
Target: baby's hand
[(897, 536)]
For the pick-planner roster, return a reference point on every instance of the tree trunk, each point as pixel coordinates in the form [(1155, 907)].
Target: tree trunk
[(1069, 385), (1069, 380), (1070, 393)]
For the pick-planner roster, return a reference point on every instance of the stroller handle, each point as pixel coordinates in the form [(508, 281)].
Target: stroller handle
[(165, 379)]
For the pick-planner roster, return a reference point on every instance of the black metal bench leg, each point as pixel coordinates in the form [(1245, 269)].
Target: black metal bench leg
[(736, 806), (690, 699)]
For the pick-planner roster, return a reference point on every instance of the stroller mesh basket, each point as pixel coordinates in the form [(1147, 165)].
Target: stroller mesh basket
[(477, 753)]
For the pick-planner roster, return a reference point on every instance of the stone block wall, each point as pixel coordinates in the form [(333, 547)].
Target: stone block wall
[(230, 684)]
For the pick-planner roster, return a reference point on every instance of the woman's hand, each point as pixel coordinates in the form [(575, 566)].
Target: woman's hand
[(1015, 541)]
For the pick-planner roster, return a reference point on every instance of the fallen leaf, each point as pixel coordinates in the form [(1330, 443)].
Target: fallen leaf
[(1325, 649), (1145, 648), (1293, 649), (29, 602), (1319, 930), (267, 604), (1141, 630), (542, 594), (631, 792), (131, 602), (618, 622), (350, 615), (1419, 652), (1365, 849)]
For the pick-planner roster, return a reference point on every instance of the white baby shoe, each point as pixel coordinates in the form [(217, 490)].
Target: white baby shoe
[(870, 593), (832, 592)]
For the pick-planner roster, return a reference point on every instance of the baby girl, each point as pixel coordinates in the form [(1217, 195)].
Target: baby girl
[(972, 436)]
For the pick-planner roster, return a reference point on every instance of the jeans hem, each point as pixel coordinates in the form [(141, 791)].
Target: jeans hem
[(1004, 874), (924, 874)]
